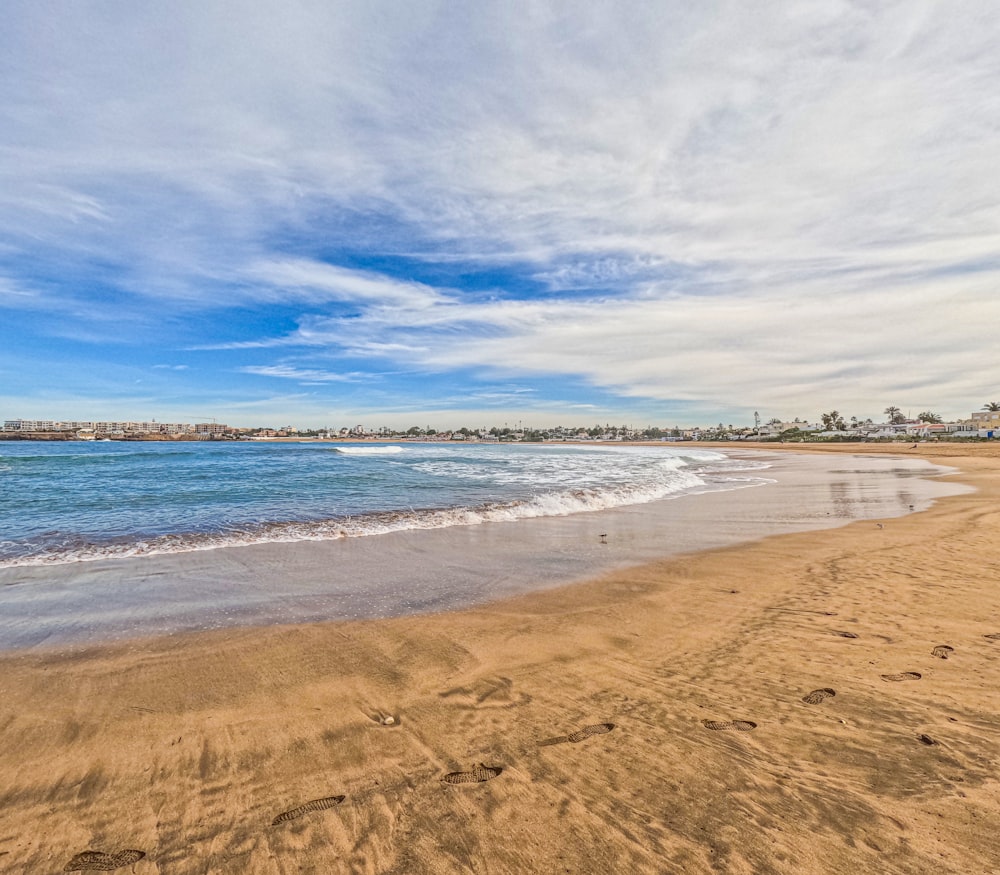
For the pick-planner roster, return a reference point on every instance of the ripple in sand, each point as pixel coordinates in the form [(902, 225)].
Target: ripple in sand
[(579, 735)]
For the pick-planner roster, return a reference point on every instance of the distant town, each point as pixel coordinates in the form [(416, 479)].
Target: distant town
[(981, 425)]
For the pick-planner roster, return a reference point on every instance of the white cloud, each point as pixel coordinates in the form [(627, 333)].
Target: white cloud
[(13, 294), (303, 375), (319, 281), (781, 202), (789, 346), (722, 131)]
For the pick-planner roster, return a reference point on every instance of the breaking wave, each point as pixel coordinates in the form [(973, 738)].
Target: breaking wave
[(53, 549), (67, 504), (368, 451)]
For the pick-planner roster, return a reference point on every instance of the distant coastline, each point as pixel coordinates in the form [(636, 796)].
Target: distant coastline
[(805, 441), (982, 425)]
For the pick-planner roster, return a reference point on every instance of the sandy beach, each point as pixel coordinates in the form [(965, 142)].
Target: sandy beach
[(818, 702)]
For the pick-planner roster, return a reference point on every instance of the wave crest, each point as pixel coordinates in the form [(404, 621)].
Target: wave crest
[(561, 503)]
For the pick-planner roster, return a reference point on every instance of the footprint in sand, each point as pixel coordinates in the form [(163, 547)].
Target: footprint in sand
[(99, 861), (942, 651), (480, 773), (902, 676), (579, 735), (845, 634), (817, 696), (926, 739), (737, 725), (496, 692), (315, 805), (993, 636)]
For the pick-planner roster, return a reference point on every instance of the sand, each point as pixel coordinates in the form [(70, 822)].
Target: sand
[(822, 701)]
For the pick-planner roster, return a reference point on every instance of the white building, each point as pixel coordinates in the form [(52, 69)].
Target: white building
[(109, 427), (43, 425)]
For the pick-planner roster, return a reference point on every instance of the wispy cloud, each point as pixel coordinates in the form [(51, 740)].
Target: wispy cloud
[(322, 282), (303, 375), (13, 294)]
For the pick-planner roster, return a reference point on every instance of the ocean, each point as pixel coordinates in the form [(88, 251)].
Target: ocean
[(82, 501)]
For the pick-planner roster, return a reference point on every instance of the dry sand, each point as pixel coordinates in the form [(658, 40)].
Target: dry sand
[(187, 748)]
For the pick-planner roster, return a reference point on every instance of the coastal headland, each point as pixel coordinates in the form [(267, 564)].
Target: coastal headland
[(821, 701)]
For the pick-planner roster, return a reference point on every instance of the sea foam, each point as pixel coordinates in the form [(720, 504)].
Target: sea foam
[(150, 501)]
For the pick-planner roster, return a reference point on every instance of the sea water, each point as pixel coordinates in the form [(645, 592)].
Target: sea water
[(78, 501)]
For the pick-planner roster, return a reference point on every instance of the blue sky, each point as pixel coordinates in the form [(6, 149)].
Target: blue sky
[(467, 214)]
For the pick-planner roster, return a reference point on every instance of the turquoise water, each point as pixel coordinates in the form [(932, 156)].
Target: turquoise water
[(77, 501)]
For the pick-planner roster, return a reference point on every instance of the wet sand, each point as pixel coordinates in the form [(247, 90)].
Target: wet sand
[(820, 701)]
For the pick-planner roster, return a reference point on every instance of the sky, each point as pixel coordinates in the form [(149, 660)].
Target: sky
[(446, 214)]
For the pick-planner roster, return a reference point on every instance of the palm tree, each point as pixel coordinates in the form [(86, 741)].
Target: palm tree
[(894, 414), (833, 421), (992, 406), (927, 416)]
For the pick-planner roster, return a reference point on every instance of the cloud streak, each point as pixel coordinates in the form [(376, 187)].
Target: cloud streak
[(302, 375)]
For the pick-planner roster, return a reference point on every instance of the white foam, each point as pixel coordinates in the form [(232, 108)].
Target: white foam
[(559, 503), (547, 483), (367, 451)]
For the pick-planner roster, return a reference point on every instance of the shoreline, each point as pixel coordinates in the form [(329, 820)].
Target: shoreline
[(188, 747), (420, 571)]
